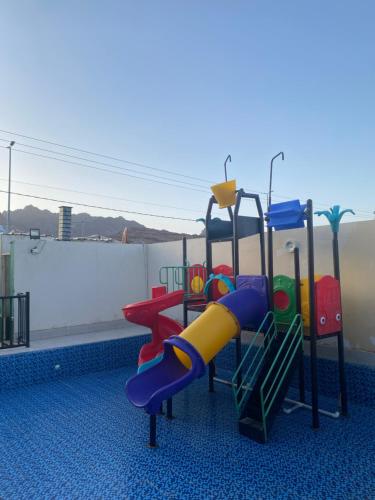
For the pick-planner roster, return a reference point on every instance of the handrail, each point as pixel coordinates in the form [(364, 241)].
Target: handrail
[(283, 368), (285, 371), (15, 320), (174, 277), (256, 354), (161, 281), (283, 359), (280, 367), (177, 271), (247, 384), (280, 349), (256, 371), (251, 345)]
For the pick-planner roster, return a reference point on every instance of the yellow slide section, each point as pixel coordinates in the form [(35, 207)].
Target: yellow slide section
[(210, 332)]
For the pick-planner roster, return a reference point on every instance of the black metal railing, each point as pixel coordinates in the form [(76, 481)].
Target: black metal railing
[(15, 320)]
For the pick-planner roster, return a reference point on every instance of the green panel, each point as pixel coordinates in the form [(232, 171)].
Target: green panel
[(252, 361), (284, 289), (294, 338)]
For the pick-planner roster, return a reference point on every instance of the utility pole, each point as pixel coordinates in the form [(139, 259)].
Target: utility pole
[(11, 144)]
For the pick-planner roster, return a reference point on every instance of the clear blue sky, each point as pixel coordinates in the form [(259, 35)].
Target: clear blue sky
[(179, 85)]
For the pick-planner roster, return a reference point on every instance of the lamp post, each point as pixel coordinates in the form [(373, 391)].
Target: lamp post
[(11, 144), (271, 171)]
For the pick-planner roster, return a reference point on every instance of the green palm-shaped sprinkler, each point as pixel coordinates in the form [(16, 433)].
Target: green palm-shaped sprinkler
[(334, 216)]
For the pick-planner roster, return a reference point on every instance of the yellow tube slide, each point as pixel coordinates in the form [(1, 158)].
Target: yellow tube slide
[(210, 332)]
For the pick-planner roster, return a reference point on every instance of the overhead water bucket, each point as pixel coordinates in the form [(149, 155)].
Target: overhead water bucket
[(225, 193)]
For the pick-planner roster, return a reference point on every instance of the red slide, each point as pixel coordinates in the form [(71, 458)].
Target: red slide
[(146, 313)]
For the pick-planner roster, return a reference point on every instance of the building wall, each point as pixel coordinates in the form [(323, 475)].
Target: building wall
[(357, 258), (75, 283)]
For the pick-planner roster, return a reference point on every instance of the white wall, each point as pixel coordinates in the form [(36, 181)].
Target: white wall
[(74, 283), (357, 258), (170, 254)]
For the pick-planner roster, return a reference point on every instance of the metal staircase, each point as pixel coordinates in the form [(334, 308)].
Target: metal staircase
[(266, 369)]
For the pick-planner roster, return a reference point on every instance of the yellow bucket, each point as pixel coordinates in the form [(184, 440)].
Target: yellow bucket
[(225, 193)]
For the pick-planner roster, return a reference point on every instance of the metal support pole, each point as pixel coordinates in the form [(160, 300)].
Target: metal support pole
[(313, 346), (340, 335), (211, 365), (235, 243), (297, 276), (211, 375), (11, 144), (185, 318), (336, 256), (169, 409), (238, 361), (27, 319), (262, 248), (271, 172), (343, 390), (184, 263), (270, 267), (152, 439)]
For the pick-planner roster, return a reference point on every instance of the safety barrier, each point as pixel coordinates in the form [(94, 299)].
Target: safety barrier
[(257, 357), (15, 320), (253, 360), (192, 279), (280, 366)]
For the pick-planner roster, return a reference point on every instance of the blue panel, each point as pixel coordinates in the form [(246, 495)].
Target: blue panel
[(286, 215), (34, 367), (260, 284)]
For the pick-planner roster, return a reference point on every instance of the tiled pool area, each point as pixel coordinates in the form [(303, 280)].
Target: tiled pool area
[(78, 437)]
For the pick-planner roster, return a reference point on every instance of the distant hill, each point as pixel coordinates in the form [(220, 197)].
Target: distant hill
[(84, 224)]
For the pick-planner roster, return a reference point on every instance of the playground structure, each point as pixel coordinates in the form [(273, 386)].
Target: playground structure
[(282, 311)]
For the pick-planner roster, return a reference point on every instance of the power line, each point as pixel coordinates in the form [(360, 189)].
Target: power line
[(107, 171), (100, 195), (103, 164), (281, 197), (323, 205), (114, 166), (104, 156), (97, 206)]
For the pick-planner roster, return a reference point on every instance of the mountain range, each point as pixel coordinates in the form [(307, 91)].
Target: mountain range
[(85, 225)]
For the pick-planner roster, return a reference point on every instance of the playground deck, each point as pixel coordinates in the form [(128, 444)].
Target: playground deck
[(80, 438)]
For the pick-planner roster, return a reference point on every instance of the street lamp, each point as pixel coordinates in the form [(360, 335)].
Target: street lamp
[(11, 144)]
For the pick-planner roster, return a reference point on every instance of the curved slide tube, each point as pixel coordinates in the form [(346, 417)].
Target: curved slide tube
[(186, 355), (151, 387), (146, 313)]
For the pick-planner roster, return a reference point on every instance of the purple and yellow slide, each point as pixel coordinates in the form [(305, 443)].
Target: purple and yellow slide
[(186, 355)]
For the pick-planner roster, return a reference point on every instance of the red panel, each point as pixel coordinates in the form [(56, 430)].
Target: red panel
[(158, 291), (328, 305), (196, 271), (220, 269)]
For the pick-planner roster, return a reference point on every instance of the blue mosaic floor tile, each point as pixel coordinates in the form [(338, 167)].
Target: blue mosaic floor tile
[(80, 438), (34, 367)]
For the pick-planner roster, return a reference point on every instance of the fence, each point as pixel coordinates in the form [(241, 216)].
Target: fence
[(15, 320)]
